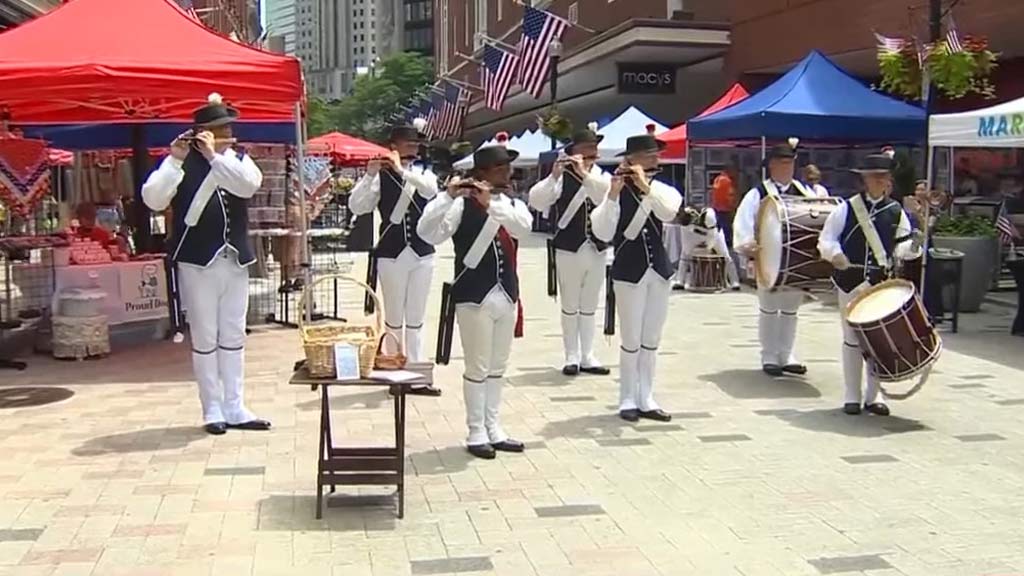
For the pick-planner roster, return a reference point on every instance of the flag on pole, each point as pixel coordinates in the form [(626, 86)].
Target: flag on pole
[(539, 29), (499, 70), (887, 45), (434, 115), (953, 37), (454, 109), (1007, 231)]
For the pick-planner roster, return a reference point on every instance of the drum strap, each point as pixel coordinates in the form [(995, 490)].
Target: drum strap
[(921, 379), (574, 204), (483, 241), (639, 218), (867, 226), (407, 191), (773, 190)]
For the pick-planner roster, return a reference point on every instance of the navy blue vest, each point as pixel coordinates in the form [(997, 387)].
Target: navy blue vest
[(578, 230), (791, 191), (224, 221), (886, 217), (634, 257), (473, 285), (395, 237)]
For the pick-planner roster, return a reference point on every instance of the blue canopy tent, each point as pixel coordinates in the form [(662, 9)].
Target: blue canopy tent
[(815, 101)]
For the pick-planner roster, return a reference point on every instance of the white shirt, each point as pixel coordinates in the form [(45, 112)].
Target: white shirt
[(663, 200), (830, 241), (237, 175), (365, 194), (546, 192), (442, 216)]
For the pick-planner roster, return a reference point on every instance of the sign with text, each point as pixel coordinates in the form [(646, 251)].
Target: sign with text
[(143, 290), (646, 78)]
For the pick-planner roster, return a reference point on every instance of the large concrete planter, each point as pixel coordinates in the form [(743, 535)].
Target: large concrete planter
[(980, 256)]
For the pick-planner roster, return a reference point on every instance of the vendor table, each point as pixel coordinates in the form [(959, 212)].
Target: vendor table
[(136, 290), (365, 465)]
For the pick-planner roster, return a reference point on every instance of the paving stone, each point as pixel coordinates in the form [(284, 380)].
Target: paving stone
[(572, 398), (980, 437), (870, 458), (716, 438), (841, 564), (236, 471), (20, 534), (452, 565), (1011, 402), (622, 442), (569, 510)]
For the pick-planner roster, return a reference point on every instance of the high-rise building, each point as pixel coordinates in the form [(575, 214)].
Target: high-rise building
[(281, 15), (418, 26)]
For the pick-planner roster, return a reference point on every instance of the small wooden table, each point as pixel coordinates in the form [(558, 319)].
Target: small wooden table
[(365, 465)]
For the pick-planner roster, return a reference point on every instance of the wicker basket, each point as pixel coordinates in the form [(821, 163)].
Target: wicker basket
[(318, 341)]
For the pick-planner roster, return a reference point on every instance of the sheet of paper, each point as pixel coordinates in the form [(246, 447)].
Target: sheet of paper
[(396, 376), (346, 361)]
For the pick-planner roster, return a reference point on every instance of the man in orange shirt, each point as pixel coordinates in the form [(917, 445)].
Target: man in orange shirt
[(723, 200)]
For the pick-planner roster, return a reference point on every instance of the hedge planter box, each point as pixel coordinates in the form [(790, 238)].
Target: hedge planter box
[(979, 266)]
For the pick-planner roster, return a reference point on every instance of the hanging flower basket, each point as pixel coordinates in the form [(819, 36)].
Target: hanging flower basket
[(461, 149), (554, 125), (953, 74)]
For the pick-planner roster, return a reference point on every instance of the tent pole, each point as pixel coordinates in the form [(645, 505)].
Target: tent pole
[(687, 191), (925, 225), (307, 270), (764, 154)]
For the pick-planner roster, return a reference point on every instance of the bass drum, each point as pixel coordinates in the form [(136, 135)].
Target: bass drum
[(787, 239), (708, 272)]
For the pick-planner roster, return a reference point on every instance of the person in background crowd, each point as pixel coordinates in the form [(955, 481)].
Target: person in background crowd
[(812, 175), (723, 201), (87, 228)]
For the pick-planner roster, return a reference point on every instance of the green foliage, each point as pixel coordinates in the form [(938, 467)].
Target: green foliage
[(955, 75), (461, 149), (367, 110), (972, 226), (554, 125), (904, 177)]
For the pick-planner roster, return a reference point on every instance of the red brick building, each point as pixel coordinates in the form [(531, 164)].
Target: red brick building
[(708, 43)]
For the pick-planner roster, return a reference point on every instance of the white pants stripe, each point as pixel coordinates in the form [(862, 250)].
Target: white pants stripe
[(642, 309), (853, 358), (486, 331), (405, 284), (777, 325), (581, 277), (217, 300)]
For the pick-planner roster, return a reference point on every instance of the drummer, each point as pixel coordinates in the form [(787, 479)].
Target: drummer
[(860, 238), (701, 230), (778, 319)]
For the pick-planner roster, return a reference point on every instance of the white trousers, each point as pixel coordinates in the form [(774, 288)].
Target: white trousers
[(581, 276), (716, 243), (486, 331), (405, 284), (777, 325), (642, 308), (853, 359), (217, 300)]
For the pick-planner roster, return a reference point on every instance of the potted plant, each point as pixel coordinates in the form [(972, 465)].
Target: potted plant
[(954, 74), (976, 237), (554, 125)]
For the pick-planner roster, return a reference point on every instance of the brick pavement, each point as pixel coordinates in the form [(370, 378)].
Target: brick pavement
[(753, 477)]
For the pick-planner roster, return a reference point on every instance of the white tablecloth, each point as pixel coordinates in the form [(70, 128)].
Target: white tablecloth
[(135, 290)]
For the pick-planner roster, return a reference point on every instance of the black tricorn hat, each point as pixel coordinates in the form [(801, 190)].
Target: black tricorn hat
[(587, 135), (491, 156), (215, 113), (875, 163), (404, 133), (642, 144), (786, 150)]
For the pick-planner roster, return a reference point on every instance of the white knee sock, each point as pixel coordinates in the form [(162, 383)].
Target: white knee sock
[(492, 419), (475, 397), (571, 337)]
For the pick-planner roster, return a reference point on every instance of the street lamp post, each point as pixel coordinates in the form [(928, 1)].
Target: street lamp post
[(555, 52)]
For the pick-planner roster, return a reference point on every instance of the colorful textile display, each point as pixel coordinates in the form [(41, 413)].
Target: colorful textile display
[(24, 173)]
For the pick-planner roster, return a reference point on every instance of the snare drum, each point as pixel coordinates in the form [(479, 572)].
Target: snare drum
[(894, 332), (708, 272), (787, 238)]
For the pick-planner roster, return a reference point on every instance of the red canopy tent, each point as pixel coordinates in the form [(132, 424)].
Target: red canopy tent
[(345, 149), (93, 61), (675, 139)]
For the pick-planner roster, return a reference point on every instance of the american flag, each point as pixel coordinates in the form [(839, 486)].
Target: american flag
[(499, 71), (437, 103), (539, 29), (953, 38), (887, 45), (455, 105), (190, 9), (1007, 231)]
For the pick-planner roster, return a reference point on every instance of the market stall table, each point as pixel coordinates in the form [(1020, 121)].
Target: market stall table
[(135, 290), (361, 466)]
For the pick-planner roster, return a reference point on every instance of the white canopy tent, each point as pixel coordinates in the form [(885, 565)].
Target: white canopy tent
[(1000, 126), (632, 122), (467, 162), (530, 145)]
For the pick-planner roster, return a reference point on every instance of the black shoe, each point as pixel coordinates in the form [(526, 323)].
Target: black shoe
[(632, 415), (795, 369), (877, 408), (570, 369), (485, 451), (216, 428), (256, 424), (424, 391), (597, 370), (772, 369), (659, 415), (679, 287), (509, 445), (851, 408)]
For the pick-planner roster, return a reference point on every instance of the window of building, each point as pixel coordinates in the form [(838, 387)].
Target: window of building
[(481, 23), (574, 12), (442, 63), (467, 26), (501, 9)]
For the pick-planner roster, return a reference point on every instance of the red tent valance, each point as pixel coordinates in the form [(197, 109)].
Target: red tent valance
[(345, 149), (92, 61), (675, 139)]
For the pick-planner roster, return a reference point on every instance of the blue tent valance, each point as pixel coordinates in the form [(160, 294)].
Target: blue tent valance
[(815, 101)]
